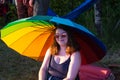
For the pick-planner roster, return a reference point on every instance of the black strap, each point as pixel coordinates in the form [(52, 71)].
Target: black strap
[(77, 78)]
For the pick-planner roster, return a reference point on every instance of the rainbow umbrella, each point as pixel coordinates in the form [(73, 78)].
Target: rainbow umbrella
[(32, 36)]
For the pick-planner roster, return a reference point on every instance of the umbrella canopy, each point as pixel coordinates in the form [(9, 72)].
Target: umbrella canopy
[(32, 36)]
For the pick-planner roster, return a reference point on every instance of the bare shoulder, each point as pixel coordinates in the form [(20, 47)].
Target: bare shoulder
[(76, 54), (47, 56), (48, 51), (76, 57)]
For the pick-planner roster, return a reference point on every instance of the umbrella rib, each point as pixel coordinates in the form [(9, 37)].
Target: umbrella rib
[(43, 23), (50, 28), (35, 39), (44, 46)]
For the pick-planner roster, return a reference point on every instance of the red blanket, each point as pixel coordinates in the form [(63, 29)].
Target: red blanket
[(90, 72)]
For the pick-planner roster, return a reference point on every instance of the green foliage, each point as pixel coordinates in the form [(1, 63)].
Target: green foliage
[(10, 16), (62, 7), (110, 18), (12, 13)]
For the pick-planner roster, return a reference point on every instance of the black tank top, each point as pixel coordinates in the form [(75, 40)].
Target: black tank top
[(58, 70)]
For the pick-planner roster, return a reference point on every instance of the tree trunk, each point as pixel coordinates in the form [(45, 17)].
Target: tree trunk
[(97, 15)]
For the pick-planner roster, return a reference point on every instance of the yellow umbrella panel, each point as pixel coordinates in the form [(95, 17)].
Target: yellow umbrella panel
[(28, 37)]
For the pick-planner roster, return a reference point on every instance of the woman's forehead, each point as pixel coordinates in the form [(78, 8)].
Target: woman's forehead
[(60, 31)]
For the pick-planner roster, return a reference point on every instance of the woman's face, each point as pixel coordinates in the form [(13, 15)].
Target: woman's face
[(61, 37)]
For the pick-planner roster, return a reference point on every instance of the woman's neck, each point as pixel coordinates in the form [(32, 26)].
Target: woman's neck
[(62, 51)]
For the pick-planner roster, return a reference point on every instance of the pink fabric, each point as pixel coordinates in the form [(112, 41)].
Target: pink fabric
[(90, 72)]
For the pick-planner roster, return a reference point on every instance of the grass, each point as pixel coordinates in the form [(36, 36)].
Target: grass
[(14, 66)]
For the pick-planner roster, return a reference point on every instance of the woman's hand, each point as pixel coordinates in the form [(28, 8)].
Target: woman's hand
[(31, 3)]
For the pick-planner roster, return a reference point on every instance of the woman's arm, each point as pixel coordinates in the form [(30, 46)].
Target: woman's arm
[(74, 66), (43, 69)]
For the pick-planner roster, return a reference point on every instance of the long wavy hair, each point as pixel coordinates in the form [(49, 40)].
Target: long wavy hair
[(72, 45)]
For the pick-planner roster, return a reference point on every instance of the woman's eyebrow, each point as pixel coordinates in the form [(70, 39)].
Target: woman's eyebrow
[(61, 33)]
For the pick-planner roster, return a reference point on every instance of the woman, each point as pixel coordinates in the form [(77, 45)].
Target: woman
[(64, 64)]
